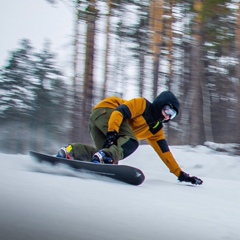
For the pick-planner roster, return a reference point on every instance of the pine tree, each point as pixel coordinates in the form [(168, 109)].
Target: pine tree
[(17, 96), (33, 100), (51, 111)]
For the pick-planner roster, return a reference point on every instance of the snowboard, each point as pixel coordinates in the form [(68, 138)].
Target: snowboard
[(123, 173)]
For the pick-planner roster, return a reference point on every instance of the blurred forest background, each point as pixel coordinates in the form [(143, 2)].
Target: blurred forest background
[(123, 46)]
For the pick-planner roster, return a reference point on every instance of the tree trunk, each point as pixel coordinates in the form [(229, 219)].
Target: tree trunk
[(106, 65), (196, 112), (88, 75), (237, 70), (76, 110), (156, 27)]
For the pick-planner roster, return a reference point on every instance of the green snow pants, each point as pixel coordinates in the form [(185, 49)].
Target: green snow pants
[(127, 143)]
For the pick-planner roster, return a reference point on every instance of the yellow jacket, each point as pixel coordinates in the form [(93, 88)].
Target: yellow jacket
[(141, 117)]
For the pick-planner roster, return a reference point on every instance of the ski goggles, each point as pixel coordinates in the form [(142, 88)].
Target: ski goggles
[(169, 111)]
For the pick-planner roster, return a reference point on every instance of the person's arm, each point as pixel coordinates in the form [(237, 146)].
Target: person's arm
[(128, 110), (160, 145)]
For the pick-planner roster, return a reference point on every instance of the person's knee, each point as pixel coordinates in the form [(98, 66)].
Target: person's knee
[(129, 147), (83, 152)]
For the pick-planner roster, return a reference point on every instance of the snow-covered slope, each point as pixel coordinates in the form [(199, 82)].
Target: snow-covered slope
[(41, 202)]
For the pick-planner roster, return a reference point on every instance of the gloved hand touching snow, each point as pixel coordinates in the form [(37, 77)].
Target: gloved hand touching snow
[(184, 177)]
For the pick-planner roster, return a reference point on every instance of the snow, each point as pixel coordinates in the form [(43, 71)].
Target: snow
[(39, 202)]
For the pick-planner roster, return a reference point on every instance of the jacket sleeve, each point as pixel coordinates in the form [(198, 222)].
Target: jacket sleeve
[(128, 110), (159, 144), (115, 121)]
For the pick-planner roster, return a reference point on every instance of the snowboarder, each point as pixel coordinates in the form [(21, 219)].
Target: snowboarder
[(117, 125)]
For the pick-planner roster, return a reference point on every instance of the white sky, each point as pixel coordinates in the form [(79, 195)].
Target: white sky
[(36, 20)]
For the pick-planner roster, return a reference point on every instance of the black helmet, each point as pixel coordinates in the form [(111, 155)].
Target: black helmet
[(163, 99)]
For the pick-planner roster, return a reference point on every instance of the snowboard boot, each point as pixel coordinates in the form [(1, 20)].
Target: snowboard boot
[(101, 157), (66, 152)]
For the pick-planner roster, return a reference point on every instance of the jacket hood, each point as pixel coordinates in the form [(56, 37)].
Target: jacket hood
[(164, 98)]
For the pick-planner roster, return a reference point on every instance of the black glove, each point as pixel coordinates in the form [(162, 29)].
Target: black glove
[(184, 177), (111, 139)]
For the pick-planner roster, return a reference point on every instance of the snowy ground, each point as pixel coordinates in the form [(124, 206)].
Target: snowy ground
[(39, 202)]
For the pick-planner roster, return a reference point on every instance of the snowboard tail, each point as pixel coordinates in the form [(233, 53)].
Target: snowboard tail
[(123, 173)]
